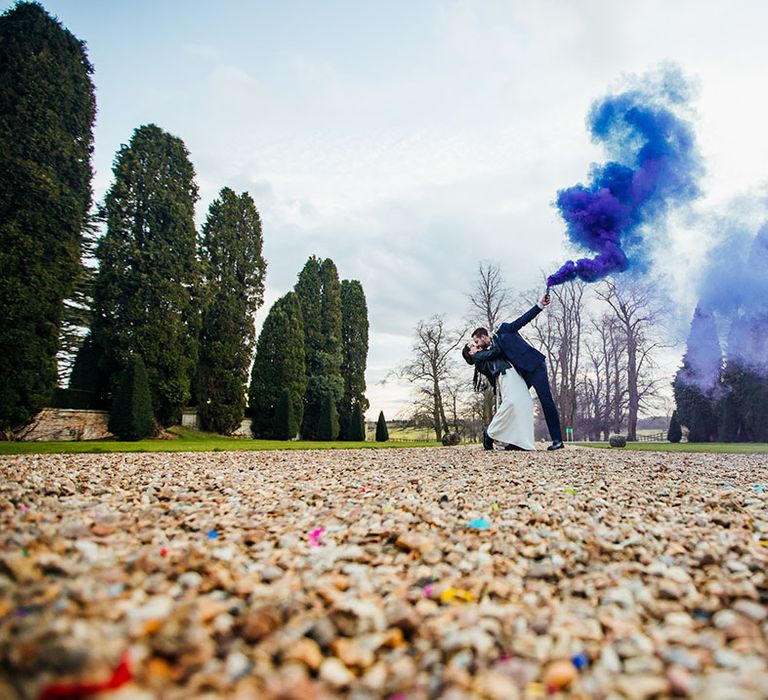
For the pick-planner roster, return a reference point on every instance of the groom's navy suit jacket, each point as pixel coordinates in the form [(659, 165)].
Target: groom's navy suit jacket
[(524, 357), (529, 362)]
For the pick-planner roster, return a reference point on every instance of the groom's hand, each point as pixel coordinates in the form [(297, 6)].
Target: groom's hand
[(544, 301)]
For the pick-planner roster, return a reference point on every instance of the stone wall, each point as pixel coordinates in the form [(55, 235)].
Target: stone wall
[(67, 424), (80, 424)]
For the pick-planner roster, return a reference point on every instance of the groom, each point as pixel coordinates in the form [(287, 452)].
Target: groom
[(529, 362)]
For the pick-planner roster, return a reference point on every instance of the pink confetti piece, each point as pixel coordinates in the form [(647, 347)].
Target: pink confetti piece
[(314, 537)]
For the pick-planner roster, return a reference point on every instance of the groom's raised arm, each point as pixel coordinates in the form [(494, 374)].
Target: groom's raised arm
[(518, 323)]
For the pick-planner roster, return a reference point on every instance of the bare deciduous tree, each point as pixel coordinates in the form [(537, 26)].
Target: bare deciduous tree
[(489, 297), (489, 301), (558, 333), (603, 388), (636, 308), (430, 368)]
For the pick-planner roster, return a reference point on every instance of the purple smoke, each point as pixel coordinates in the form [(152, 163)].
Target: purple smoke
[(735, 286), (654, 163)]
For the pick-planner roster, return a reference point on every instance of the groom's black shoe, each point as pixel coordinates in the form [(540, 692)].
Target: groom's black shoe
[(487, 441), (514, 448), (556, 445)]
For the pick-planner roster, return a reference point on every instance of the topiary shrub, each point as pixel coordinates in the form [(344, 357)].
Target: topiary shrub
[(131, 417), (675, 432), (382, 433)]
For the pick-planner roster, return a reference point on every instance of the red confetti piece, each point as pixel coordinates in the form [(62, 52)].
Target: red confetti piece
[(72, 691), (164, 552)]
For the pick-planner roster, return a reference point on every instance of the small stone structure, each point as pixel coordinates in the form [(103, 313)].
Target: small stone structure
[(67, 424), (617, 441), (82, 424)]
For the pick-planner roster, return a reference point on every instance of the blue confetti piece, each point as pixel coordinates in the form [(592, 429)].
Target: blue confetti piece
[(759, 489), (479, 524), (212, 535), (580, 660)]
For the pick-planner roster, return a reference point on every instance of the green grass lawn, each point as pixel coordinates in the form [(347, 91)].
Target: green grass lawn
[(191, 441), (725, 447)]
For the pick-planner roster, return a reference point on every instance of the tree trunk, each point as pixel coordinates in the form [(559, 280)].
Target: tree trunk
[(634, 403)]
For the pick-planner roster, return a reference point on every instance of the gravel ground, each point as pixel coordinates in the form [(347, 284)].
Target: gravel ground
[(583, 573)]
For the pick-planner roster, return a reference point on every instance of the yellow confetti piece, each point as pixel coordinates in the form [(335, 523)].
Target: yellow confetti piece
[(495, 506), (763, 543), (456, 595), (535, 690)]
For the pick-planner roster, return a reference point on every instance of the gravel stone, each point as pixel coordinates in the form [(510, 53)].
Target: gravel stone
[(352, 574)]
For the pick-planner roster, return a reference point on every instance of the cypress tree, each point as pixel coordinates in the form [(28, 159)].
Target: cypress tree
[(319, 293), (308, 290), (382, 433), (354, 347), (279, 367), (145, 294), (357, 424), (744, 406), (47, 110), (131, 416), (285, 425), (696, 384), (675, 432), (234, 271), (87, 376), (329, 421), (736, 383)]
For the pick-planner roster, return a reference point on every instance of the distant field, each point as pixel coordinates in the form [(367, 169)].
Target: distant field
[(724, 447), (193, 441)]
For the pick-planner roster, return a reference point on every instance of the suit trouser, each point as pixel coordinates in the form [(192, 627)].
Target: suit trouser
[(539, 380)]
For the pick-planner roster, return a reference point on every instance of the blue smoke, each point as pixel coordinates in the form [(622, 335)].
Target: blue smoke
[(653, 164)]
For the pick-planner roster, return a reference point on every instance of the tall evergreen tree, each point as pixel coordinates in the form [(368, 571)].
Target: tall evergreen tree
[(357, 424), (145, 295), (47, 109), (697, 382), (131, 415), (279, 367), (234, 270), (744, 407), (309, 288), (354, 347), (285, 425), (319, 293), (88, 377), (328, 427)]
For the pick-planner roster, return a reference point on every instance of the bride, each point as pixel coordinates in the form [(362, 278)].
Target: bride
[(513, 422)]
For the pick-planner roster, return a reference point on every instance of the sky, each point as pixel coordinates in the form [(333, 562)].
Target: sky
[(408, 141)]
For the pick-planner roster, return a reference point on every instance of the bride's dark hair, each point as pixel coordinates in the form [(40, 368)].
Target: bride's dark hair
[(477, 380)]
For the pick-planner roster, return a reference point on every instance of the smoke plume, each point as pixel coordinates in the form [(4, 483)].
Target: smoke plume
[(653, 164)]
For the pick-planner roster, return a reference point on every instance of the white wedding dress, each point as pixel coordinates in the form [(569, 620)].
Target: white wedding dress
[(513, 422)]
